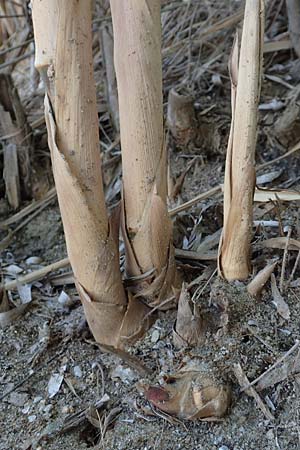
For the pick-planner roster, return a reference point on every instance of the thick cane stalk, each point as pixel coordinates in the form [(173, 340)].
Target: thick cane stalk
[(64, 58), (293, 11), (147, 229), (234, 257)]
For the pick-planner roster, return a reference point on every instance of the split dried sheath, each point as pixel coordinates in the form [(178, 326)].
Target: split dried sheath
[(234, 258)]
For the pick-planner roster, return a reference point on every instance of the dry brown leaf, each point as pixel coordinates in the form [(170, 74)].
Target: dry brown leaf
[(165, 281), (11, 175), (289, 365), (221, 305), (176, 189), (243, 382), (209, 242), (256, 285), (280, 243), (188, 328), (9, 317), (9, 314), (281, 306), (4, 304), (191, 394)]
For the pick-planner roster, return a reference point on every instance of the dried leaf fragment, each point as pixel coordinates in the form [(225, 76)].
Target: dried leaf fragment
[(191, 394), (281, 306), (54, 384), (285, 366), (256, 285), (281, 243), (11, 175), (243, 382), (188, 329), (9, 314)]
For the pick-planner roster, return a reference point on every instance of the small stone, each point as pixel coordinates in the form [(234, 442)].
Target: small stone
[(54, 384), (47, 408), (270, 435), (33, 260), (18, 399), (37, 399), (125, 374), (223, 447), (155, 336), (65, 300), (77, 372), (66, 409), (26, 409), (13, 269), (42, 405), (31, 418), (216, 79)]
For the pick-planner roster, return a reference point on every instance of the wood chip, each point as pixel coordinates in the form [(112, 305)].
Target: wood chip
[(243, 381)]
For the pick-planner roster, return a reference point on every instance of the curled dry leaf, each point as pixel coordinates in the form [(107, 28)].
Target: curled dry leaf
[(281, 306), (191, 394), (249, 390), (188, 329), (268, 177), (281, 243), (287, 365), (33, 260), (8, 317), (4, 304), (256, 285), (220, 302), (165, 281), (11, 174), (77, 418), (9, 314)]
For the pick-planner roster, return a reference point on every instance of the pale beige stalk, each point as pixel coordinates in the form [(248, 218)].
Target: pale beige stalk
[(234, 257), (64, 58), (107, 46), (147, 228), (293, 12)]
